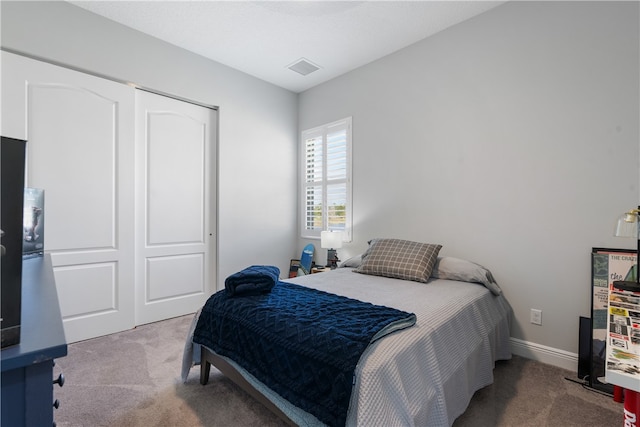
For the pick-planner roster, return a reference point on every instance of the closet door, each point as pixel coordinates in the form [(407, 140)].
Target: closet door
[(175, 205), (80, 149)]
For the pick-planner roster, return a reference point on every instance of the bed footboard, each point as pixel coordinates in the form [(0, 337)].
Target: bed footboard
[(209, 358)]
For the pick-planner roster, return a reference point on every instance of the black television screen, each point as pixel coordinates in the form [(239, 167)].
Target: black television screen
[(12, 156)]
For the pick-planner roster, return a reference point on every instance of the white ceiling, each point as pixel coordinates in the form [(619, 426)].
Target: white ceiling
[(263, 38)]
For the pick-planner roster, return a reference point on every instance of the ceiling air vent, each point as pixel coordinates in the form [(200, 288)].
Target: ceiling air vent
[(303, 66)]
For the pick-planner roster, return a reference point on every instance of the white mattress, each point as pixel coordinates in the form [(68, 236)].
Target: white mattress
[(424, 375)]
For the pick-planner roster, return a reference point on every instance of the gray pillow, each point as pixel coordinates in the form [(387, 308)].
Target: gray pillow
[(399, 259), (353, 262), (465, 271)]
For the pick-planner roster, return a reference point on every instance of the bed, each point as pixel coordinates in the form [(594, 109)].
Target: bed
[(424, 375)]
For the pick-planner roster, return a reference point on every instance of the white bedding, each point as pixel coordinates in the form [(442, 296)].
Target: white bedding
[(424, 375)]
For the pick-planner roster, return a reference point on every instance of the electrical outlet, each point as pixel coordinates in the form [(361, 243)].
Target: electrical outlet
[(536, 316)]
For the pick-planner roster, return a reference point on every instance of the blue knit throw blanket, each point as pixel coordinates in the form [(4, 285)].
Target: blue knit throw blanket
[(302, 343), (254, 280)]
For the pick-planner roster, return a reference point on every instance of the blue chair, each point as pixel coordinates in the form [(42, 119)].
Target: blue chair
[(303, 265)]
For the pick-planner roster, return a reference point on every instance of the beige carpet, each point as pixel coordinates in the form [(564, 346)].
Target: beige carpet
[(133, 379)]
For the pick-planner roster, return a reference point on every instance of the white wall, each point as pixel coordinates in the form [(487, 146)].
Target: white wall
[(512, 139), (257, 120)]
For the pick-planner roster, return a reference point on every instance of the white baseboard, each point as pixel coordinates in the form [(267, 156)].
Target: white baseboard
[(541, 353)]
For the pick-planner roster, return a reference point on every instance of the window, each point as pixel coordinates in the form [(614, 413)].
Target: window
[(326, 179)]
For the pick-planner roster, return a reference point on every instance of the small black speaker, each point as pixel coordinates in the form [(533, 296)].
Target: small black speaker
[(584, 347)]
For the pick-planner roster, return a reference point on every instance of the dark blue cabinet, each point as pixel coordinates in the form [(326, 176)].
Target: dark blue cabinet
[(26, 397)]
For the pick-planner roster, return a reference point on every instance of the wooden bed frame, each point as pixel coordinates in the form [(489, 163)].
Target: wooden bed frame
[(208, 358)]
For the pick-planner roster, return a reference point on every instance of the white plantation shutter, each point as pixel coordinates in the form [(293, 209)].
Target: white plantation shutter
[(326, 186)]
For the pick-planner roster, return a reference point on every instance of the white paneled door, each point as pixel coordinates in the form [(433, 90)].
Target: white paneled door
[(129, 193), (175, 201), (80, 133)]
